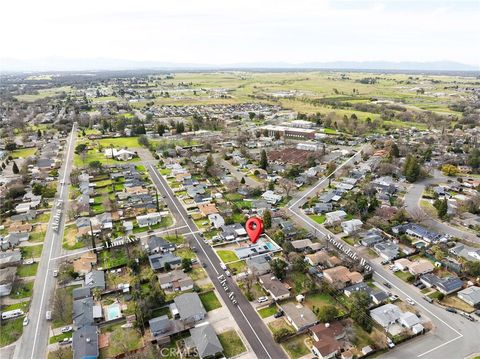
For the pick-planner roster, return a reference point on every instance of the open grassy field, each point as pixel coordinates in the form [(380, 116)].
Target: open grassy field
[(210, 301), (43, 93)]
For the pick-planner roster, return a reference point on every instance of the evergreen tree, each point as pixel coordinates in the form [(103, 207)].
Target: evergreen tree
[(411, 169), (15, 168), (242, 181), (263, 160), (208, 164), (267, 219)]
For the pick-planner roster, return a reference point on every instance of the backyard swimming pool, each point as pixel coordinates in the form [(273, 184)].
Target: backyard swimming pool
[(113, 312)]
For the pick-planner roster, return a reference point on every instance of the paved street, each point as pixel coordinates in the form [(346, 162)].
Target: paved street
[(34, 340), (448, 327), (257, 334)]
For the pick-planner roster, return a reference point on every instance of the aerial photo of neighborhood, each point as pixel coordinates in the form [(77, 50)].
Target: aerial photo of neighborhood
[(240, 212)]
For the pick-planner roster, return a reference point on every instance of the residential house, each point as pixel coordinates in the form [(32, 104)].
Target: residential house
[(271, 197), (10, 258), (417, 231), (304, 244), (158, 261), (149, 219), (95, 279), (352, 226), (299, 316), (392, 318), (340, 276), (85, 343), (216, 220), (81, 293), (190, 307), (335, 217), (7, 277), (386, 250), (120, 155), (84, 264), (326, 337), (322, 208), (232, 231), (470, 295), (274, 287), (204, 339), (258, 265), (155, 244), (317, 258), (467, 252), (420, 267), (175, 280)]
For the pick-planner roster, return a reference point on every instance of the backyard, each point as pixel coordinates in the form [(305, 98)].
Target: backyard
[(295, 347), (227, 255)]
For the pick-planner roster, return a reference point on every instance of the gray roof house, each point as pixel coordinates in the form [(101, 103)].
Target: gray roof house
[(85, 343), (81, 293), (8, 259), (300, 318), (258, 265), (158, 261), (157, 244), (83, 312), (470, 295), (386, 250), (7, 277), (205, 340), (190, 307), (95, 279), (162, 326)]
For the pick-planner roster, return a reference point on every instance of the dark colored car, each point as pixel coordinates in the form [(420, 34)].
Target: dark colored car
[(278, 314), (451, 310), (204, 265), (386, 284)]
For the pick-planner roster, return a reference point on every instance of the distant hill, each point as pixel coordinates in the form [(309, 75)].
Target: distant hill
[(99, 64)]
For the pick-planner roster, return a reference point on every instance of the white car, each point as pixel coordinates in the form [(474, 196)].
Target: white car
[(55, 273), (410, 301), (67, 329), (227, 272), (262, 299), (26, 321)]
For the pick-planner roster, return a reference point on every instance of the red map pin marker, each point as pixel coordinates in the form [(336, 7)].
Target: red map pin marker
[(254, 227)]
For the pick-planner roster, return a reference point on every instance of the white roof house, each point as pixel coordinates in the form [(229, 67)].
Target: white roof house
[(351, 226), (122, 154), (470, 295), (335, 216), (271, 197)]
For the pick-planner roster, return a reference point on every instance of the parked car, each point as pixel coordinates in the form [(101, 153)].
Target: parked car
[(67, 329), (477, 313), (227, 272), (428, 299), (421, 286), (26, 321), (194, 249), (262, 299), (386, 284), (451, 310), (48, 315), (410, 301), (278, 314), (204, 265), (65, 341), (55, 273)]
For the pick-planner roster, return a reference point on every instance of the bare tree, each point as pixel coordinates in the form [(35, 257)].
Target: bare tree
[(286, 185)]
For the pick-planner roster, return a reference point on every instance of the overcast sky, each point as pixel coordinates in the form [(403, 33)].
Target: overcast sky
[(242, 31)]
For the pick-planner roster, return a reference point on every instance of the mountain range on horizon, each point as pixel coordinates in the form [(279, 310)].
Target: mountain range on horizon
[(105, 64)]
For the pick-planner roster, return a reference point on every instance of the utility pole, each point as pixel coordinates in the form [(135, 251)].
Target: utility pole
[(92, 237)]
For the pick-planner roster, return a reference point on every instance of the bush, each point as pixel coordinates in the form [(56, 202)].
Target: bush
[(282, 333)]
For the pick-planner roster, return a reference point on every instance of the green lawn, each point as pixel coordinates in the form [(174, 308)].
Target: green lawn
[(268, 311), (231, 343), (37, 237), (43, 218), (60, 337), (319, 300), (22, 289), (130, 142), (20, 305), (24, 152), (185, 253), (296, 347), (197, 274), (227, 255), (318, 218), (32, 251), (27, 270), (210, 301), (175, 239), (166, 221), (112, 258), (11, 330), (67, 317), (405, 276), (237, 267)]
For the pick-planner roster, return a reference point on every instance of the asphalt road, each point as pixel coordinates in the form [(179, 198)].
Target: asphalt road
[(34, 341), (249, 322), (412, 205), (452, 337)]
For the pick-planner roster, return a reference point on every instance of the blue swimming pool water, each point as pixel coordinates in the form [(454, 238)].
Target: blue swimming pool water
[(113, 312), (270, 246)]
